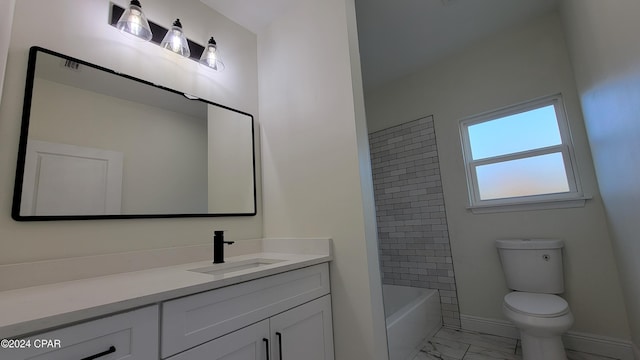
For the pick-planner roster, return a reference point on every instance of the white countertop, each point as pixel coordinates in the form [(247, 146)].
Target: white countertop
[(37, 308)]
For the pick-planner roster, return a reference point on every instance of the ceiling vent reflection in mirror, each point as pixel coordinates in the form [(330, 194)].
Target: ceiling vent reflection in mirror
[(133, 23)]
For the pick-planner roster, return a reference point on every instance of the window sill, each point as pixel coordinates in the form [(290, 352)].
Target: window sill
[(527, 206)]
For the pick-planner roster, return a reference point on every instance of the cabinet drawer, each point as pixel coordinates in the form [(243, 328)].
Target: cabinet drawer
[(131, 336), (195, 319)]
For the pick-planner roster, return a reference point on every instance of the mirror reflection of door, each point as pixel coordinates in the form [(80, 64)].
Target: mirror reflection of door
[(61, 179)]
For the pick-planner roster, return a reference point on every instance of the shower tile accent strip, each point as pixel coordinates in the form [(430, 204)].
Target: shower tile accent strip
[(412, 225)]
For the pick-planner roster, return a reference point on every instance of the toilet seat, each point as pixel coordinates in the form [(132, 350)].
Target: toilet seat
[(535, 304)]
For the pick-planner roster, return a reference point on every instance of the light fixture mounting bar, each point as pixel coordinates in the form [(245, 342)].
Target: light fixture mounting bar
[(158, 33)]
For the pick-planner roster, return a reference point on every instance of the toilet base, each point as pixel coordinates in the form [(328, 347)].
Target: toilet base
[(538, 348), (541, 337)]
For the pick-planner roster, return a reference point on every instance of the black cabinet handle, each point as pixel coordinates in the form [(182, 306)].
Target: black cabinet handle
[(266, 343), (279, 335), (112, 349)]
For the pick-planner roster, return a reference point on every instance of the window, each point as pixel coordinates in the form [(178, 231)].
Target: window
[(520, 155)]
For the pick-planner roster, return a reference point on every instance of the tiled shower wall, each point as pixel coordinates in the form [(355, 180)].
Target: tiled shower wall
[(412, 224)]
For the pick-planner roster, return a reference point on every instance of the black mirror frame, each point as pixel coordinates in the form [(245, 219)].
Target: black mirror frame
[(24, 132)]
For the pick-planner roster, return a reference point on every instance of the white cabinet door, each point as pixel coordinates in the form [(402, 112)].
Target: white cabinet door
[(250, 343), (304, 332)]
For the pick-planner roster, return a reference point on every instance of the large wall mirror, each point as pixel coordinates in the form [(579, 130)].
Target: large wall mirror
[(96, 144)]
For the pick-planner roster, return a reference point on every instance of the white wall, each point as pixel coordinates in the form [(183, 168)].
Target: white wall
[(6, 19), (230, 161), (316, 173), (80, 29), (142, 133), (603, 41), (520, 64)]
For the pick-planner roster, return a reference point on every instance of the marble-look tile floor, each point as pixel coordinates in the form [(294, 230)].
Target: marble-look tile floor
[(452, 344)]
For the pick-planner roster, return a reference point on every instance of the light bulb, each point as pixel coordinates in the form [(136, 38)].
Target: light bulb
[(211, 57), (175, 40), (134, 22)]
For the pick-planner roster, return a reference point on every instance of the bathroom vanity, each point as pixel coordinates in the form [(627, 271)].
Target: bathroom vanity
[(254, 306)]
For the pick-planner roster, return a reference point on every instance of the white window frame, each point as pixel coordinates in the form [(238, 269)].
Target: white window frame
[(573, 198)]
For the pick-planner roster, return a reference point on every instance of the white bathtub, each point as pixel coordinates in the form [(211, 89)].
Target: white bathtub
[(412, 314)]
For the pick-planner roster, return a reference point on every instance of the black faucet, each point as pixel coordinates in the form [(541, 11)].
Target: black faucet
[(218, 246)]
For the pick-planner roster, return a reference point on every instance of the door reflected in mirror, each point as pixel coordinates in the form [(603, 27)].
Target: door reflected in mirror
[(98, 144)]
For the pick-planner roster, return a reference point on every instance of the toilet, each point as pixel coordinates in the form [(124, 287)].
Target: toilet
[(533, 269)]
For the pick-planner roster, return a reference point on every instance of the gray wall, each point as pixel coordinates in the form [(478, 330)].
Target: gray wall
[(602, 37), (6, 19), (412, 222)]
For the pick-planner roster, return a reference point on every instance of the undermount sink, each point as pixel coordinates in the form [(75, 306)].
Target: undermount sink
[(224, 268)]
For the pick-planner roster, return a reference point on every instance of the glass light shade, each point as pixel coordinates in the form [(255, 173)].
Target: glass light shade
[(211, 56), (134, 22), (175, 40)]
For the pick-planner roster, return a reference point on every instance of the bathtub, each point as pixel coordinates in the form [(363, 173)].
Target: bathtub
[(412, 314)]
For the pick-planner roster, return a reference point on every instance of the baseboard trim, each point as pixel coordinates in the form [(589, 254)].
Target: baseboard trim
[(588, 343), (599, 345)]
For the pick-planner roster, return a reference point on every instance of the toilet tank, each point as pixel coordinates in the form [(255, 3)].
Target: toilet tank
[(532, 265)]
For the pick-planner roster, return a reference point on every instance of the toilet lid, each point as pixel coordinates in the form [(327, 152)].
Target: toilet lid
[(541, 305)]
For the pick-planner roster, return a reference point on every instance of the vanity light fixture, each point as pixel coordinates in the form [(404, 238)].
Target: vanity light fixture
[(211, 56), (134, 22), (175, 40)]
